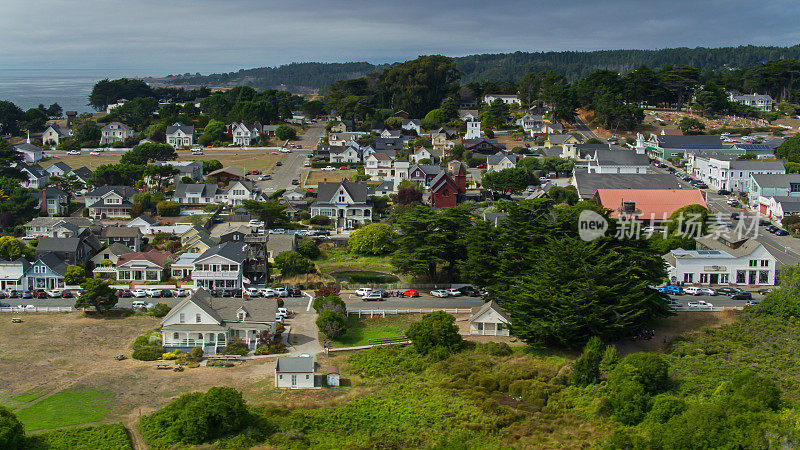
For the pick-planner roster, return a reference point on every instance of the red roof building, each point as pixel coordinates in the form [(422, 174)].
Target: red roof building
[(647, 204)]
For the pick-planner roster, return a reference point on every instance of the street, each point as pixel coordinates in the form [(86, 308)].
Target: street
[(293, 162)]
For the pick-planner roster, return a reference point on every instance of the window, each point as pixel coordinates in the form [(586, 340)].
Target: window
[(703, 278), (740, 276), (182, 318), (688, 278), (197, 318), (763, 277), (175, 336), (794, 187), (307, 377), (753, 262), (241, 317), (764, 263)]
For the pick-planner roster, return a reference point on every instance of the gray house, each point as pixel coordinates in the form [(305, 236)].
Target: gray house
[(114, 132), (180, 135), (72, 250), (47, 272)]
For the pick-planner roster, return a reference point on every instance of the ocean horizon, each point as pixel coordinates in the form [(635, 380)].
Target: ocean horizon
[(70, 88)]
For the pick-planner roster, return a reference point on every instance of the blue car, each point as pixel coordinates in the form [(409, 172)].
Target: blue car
[(672, 290)]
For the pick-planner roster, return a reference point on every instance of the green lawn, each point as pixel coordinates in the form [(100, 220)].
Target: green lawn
[(337, 259), (361, 330), (66, 408)]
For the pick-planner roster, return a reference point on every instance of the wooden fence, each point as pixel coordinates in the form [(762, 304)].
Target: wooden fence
[(707, 309), (40, 309), (384, 312)]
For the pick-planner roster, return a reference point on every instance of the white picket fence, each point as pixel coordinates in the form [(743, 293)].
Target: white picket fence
[(40, 309), (384, 312), (713, 308)]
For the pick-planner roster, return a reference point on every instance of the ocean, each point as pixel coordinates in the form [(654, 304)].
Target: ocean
[(70, 88)]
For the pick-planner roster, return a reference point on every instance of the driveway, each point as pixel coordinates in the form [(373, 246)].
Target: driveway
[(303, 337)]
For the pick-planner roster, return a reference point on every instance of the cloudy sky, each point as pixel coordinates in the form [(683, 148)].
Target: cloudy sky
[(177, 36)]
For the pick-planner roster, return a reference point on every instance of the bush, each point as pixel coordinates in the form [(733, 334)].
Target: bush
[(333, 300), (159, 310), (197, 418), (196, 354), (277, 347), (373, 239), (320, 220), (235, 347), (169, 356), (217, 363), (148, 353), (436, 329), (331, 323), (279, 329), (12, 433), (496, 348), (285, 132), (111, 437), (586, 369), (167, 208), (308, 248)]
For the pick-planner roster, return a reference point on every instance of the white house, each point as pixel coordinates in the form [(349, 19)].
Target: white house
[(529, 122), (344, 202), (243, 134), (378, 166), (731, 173), (52, 135), (500, 161), (617, 160), (758, 101), (201, 320), (489, 320), (114, 132), (12, 274), (414, 125), (110, 201), (220, 267), (294, 372), (473, 130), (30, 152), (507, 99), (37, 177), (180, 135), (344, 154), (729, 259), (59, 169)]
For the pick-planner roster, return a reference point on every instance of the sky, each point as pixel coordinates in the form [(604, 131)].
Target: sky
[(162, 37)]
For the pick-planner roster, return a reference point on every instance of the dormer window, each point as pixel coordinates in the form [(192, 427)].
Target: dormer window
[(240, 315)]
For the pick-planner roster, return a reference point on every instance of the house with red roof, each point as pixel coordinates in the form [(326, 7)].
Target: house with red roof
[(139, 267), (648, 205)]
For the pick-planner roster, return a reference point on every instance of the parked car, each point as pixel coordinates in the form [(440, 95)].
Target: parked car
[(283, 312), (708, 291), (4, 305), (764, 222), (295, 292), (251, 292), (411, 293), (441, 293), (26, 295), (672, 290), (673, 304), (306, 163), (728, 290), (139, 293), (179, 292), (74, 152), (265, 177), (281, 292), (765, 291), (363, 291), (771, 228), (723, 192), (735, 216), (328, 168), (141, 304), (267, 292), (372, 296), (278, 163), (255, 223), (453, 292), (278, 318), (285, 150), (66, 294), (733, 202), (751, 303), (692, 290), (166, 293), (54, 293), (124, 293), (742, 296), (700, 305), (13, 294), (781, 232)]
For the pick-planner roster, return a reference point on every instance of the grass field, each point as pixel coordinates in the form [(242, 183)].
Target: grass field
[(334, 176), (261, 160), (361, 330), (337, 259), (66, 408)]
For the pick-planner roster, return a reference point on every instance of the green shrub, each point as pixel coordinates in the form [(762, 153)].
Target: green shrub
[(331, 323), (197, 418), (496, 348), (665, 407), (111, 437), (235, 347), (159, 310), (435, 330), (277, 347), (218, 363), (193, 364), (279, 329), (586, 369), (196, 354), (385, 361), (148, 353), (12, 433)]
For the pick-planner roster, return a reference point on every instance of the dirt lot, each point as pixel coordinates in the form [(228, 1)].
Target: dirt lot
[(53, 352), (682, 322), (334, 176), (256, 159)]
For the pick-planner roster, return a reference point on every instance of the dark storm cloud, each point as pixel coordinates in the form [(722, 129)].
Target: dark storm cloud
[(203, 35)]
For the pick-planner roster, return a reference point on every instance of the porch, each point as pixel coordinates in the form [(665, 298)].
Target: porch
[(488, 329)]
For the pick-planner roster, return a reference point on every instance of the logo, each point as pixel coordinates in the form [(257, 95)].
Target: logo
[(591, 225)]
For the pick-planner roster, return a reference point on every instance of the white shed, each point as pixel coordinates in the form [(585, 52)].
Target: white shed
[(294, 372), (489, 320), (333, 377)]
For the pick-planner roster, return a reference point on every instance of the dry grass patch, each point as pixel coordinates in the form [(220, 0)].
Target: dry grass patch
[(320, 176)]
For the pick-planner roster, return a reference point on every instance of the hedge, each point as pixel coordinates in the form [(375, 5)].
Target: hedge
[(148, 353), (111, 437)]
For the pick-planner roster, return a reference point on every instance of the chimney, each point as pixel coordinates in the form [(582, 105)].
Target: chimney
[(43, 206), (629, 207), (29, 138)]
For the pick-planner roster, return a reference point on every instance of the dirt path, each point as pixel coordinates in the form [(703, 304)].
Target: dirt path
[(137, 441)]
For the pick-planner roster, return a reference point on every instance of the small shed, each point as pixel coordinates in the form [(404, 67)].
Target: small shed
[(489, 320), (294, 372), (333, 377)]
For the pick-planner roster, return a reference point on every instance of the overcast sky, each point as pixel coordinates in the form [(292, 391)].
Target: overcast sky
[(177, 36)]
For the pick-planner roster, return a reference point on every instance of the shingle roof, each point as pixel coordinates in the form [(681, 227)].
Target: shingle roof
[(757, 164), (50, 244), (499, 156), (620, 157), (357, 191), (154, 256), (589, 183), (61, 166), (53, 262), (294, 364), (117, 249), (776, 180), (120, 232), (477, 311), (229, 250), (689, 141), (187, 129), (83, 173)]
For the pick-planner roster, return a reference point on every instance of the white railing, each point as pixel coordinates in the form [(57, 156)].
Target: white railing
[(40, 309), (227, 275), (192, 343), (383, 312), (707, 309)]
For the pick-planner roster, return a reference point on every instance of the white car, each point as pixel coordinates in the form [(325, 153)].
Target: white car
[(255, 223), (281, 292), (306, 163), (74, 152), (700, 305), (328, 168), (708, 291), (285, 150), (94, 153), (27, 307), (363, 291), (139, 293), (54, 293), (283, 312), (153, 292), (441, 293), (453, 292), (267, 292), (691, 290), (252, 292), (179, 292), (141, 304)]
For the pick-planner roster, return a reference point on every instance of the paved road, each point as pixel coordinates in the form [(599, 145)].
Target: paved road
[(716, 300), (584, 129), (786, 249), (292, 167)]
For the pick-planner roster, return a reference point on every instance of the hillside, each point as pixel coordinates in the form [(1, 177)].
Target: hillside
[(303, 77)]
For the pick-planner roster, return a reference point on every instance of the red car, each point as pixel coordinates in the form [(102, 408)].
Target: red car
[(344, 168), (481, 166), (411, 293)]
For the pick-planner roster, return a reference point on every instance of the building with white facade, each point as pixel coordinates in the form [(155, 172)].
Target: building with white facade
[(244, 134), (220, 267), (344, 202), (180, 135), (614, 159), (473, 130), (728, 260), (294, 372), (114, 132), (731, 173), (510, 100), (758, 101)]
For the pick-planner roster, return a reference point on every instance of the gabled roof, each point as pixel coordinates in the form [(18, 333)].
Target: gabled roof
[(442, 180), (186, 129), (203, 190), (229, 250), (146, 218), (427, 169), (154, 256), (294, 364), (499, 156), (356, 191), (120, 232), (126, 192), (416, 122), (53, 262), (83, 173), (560, 139), (61, 166), (57, 129), (117, 249), (478, 311), (235, 171), (47, 222), (470, 143), (757, 164), (27, 147), (116, 125), (620, 157), (589, 183), (781, 180), (51, 244), (699, 141), (34, 170)]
